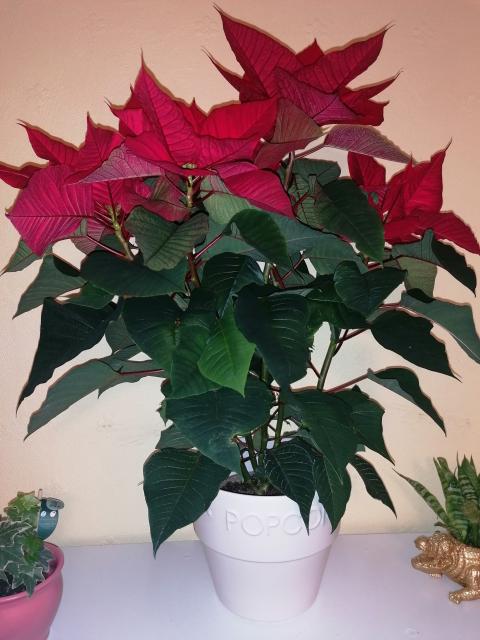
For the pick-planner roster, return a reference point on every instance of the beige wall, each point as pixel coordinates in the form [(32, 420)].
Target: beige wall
[(58, 59)]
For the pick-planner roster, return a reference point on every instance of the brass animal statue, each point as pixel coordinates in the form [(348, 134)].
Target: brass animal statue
[(441, 555)]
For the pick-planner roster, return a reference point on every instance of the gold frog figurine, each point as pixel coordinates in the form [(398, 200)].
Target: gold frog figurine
[(441, 555)]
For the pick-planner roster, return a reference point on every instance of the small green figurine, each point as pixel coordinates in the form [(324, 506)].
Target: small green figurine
[(48, 515)]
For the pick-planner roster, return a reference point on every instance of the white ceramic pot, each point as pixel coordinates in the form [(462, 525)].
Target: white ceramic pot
[(263, 563)]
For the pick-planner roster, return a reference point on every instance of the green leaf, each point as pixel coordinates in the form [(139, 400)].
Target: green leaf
[(429, 498), (221, 205), (154, 325), (325, 305), (227, 273), (333, 490), (179, 486), (344, 209), (405, 383), (21, 258), (457, 319), (54, 278), (410, 337), (172, 438), (278, 326), (323, 171), (117, 335), (288, 468), (328, 420), (66, 330), (227, 354), (211, 420), (363, 292), (366, 415), (429, 249), (121, 277), (91, 296), (308, 177), (163, 244), (372, 481), (329, 251), (80, 381), (419, 275), (262, 233)]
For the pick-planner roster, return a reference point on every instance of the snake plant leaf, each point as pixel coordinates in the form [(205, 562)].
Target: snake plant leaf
[(429, 498), (363, 292), (211, 420), (328, 420), (179, 486), (123, 278), (66, 330), (405, 383), (227, 354), (333, 491), (410, 337), (372, 481), (227, 273), (172, 438), (277, 325), (343, 209), (329, 251), (366, 416), (288, 468), (457, 319), (55, 277), (430, 250), (154, 325), (163, 244), (262, 232), (21, 258), (80, 381)]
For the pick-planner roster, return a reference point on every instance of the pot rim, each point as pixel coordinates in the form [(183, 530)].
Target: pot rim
[(249, 496), (59, 562)]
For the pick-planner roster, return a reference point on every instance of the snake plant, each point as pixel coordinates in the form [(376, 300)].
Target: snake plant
[(461, 490)]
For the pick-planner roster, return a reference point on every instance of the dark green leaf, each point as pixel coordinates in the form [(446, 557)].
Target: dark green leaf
[(172, 438), (226, 273), (329, 251), (333, 490), (227, 354), (325, 305), (367, 417), (211, 420), (154, 325), (457, 319), (54, 278), (443, 255), (405, 383), (372, 481), (221, 205), (262, 233), (343, 209), (163, 244), (117, 335), (179, 486), (278, 326), (121, 277), (91, 296), (289, 468), (419, 275), (21, 258), (66, 330), (363, 292), (410, 337), (324, 171)]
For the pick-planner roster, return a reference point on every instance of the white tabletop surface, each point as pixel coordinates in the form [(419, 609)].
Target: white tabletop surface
[(369, 592)]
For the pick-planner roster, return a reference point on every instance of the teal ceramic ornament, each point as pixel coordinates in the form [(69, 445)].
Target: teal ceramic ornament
[(48, 516)]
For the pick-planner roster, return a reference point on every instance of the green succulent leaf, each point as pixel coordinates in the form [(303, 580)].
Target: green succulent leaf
[(124, 278), (164, 244), (457, 319), (179, 486), (66, 330), (372, 481), (411, 338), (54, 278), (429, 498), (211, 420), (405, 383)]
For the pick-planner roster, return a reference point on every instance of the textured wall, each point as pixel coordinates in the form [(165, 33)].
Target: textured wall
[(59, 59)]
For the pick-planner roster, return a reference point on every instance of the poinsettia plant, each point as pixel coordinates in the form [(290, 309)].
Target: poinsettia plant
[(216, 245)]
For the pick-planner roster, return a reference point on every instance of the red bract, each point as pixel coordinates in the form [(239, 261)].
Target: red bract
[(314, 81), (410, 203)]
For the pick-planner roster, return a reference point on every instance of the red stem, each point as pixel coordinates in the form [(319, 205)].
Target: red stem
[(309, 151), (278, 278), (208, 246), (140, 373), (345, 385), (293, 269), (105, 247)]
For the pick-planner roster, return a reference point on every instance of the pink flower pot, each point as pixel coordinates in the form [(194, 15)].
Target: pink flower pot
[(25, 618)]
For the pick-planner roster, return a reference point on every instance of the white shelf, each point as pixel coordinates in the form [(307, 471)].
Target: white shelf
[(369, 592)]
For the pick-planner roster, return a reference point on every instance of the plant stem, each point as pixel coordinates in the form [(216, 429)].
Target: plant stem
[(251, 450), (105, 247), (345, 385), (246, 476), (309, 151), (208, 246), (328, 359), (278, 428), (289, 170), (193, 270), (145, 372), (118, 233)]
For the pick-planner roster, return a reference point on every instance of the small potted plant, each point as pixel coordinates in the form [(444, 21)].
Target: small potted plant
[(30, 570), (218, 246), (456, 552)]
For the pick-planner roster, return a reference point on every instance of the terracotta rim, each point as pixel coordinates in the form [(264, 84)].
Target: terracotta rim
[(58, 560)]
